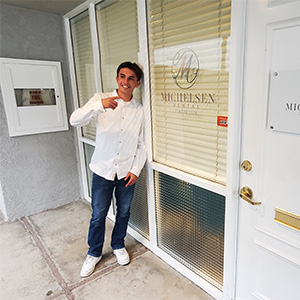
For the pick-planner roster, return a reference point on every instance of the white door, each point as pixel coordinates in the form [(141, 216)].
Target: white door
[(268, 254)]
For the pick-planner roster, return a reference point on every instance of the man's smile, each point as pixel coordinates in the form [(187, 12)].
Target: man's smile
[(127, 82)]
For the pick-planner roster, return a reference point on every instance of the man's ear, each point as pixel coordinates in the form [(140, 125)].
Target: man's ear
[(138, 83)]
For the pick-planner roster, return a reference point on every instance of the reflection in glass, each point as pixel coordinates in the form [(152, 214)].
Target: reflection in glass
[(33, 97)]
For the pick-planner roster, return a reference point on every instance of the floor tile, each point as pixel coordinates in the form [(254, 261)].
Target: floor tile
[(147, 277), (24, 272)]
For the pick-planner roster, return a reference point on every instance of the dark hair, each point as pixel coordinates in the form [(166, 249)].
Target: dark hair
[(133, 67)]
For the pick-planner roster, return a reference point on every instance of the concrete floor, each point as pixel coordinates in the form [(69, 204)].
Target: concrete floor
[(41, 257)]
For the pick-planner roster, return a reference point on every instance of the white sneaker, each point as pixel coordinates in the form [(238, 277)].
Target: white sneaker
[(89, 265), (122, 256)]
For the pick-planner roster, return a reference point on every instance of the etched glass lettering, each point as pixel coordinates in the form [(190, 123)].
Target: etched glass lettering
[(185, 68)]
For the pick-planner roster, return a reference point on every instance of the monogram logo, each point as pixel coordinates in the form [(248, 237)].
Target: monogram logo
[(185, 68)]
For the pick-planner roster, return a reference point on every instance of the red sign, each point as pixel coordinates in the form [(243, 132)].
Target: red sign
[(36, 97), (222, 121)]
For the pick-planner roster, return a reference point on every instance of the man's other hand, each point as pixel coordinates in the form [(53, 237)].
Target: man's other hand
[(110, 102), (132, 179)]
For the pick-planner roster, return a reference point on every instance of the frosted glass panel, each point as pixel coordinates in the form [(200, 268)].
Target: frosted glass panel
[(88, 152), (190, 226), (139, 208)]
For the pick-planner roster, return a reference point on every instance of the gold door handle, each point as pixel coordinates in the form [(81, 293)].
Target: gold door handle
[(247, 194)]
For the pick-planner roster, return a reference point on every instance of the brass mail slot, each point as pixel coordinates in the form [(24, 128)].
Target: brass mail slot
[(286, 218)]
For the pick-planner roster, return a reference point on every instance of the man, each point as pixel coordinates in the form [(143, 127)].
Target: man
[(117, 161)]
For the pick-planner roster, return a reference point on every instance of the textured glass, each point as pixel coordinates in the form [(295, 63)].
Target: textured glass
[(190, 226), (139, 207), (88, 152)]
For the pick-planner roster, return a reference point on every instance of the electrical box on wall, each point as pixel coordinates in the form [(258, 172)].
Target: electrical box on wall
[(33, 96)]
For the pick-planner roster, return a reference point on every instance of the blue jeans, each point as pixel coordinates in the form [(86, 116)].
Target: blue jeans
[(102, 191)]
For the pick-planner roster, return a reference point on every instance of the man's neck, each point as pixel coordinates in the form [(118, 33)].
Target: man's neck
[(124, 97)]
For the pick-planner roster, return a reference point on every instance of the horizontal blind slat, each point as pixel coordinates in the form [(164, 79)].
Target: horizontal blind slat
[(186, 135), (118, 38), (83, 58)]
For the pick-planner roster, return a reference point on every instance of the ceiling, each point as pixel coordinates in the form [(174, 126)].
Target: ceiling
[(59, 7)]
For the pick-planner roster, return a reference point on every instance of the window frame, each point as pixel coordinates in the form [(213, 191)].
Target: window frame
[(238, 14)]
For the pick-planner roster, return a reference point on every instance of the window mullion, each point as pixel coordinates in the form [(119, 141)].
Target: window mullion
[(95, 45)]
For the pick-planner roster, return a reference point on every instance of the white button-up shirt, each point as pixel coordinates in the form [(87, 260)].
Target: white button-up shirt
[(120, 140)]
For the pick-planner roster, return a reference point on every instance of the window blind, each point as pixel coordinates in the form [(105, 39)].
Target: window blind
[(118, 38), (189, 59), (118, 42), (84, 64)]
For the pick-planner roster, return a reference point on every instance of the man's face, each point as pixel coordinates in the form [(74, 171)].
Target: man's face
[(127, 81)]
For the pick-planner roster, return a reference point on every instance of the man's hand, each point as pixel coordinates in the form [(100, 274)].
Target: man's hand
[(110, 102), (132, 179)]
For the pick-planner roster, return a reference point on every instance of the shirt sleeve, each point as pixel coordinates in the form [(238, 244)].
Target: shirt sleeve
[(83, 115), (141, 153)]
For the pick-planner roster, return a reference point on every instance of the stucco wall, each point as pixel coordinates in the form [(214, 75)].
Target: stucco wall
[(40, 171)]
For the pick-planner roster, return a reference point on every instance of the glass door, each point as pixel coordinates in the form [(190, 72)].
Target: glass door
[(113, 48), (86, 84)]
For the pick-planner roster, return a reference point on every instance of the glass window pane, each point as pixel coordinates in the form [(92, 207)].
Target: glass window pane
[(84, 64), (190, 226), (33, 97), (118, 39), (189, 60)]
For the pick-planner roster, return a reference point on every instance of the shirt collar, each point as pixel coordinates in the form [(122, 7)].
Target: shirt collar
[(133, 101)]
